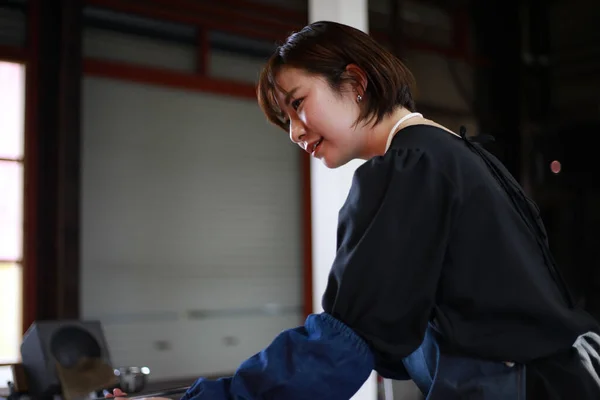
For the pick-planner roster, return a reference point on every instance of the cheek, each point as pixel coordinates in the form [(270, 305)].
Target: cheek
[(315, 117), (329, 119)]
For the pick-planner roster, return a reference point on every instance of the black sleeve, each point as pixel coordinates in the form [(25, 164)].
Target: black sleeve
[(392, 237)]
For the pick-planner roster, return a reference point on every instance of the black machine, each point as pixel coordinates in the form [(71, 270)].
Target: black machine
[(66, 357)]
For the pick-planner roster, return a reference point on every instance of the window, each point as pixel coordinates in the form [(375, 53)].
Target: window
[(12, 108)]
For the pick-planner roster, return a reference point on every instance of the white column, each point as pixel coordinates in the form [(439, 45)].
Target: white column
[(348, 12), (330, 187)]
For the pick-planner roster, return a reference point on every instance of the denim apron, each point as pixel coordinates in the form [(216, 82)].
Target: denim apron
[(442, 376)]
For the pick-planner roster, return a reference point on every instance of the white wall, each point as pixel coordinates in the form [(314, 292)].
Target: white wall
[(191, 230)]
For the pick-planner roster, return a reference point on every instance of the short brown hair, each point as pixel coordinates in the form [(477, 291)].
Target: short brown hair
[(325, 49)]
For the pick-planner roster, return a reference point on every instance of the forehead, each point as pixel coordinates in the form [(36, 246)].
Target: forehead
[(289, 79)]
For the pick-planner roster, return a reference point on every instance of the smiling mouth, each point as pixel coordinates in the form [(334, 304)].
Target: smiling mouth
[(314, 147)]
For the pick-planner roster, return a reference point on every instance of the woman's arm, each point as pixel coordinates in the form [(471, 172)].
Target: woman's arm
[(324, 359), (392, 238)]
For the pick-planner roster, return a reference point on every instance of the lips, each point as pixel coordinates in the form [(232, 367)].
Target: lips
[(312, 147)]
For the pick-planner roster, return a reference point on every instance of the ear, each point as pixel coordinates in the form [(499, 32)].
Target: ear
[(358, 77)]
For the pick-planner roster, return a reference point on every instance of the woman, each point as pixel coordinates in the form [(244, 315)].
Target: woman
[(442, 274)]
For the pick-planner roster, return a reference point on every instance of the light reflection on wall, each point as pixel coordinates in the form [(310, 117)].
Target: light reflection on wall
[(12, 84)]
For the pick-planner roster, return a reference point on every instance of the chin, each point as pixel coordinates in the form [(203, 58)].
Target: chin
[(333, 163), (329, 164)]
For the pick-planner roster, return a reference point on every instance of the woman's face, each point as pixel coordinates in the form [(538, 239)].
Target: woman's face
[(321, 121)]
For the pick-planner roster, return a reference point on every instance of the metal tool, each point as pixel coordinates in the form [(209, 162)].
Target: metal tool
[(167, 392)]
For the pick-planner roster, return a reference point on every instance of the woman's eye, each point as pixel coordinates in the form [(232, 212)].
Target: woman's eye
[(296, 104)]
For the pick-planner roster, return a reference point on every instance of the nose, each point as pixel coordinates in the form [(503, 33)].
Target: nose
[(297, 131)]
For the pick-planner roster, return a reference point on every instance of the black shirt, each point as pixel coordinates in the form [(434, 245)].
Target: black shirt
[(437, 231)]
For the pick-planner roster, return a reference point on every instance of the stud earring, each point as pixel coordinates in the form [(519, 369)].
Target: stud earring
[(358, 98)]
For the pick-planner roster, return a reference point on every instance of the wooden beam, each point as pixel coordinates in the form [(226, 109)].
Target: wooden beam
[(9, 159), (166, 14), (219, 12), (13, 54), (69, 159), (202, 52), (31, 168), (51, 245), (246, 26), (296, 17), (307, 251), (158, 76)]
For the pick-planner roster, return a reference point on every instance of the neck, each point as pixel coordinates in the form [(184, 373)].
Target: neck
[(378, 135)]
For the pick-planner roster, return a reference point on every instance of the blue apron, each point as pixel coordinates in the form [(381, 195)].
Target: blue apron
[(450, 377)]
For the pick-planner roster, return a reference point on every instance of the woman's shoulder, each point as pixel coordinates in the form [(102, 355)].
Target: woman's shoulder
[(426, 149), (427, 135), (431, 152), (443, 146)]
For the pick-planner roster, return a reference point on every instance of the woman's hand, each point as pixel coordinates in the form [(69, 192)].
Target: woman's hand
[(118, 393)]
